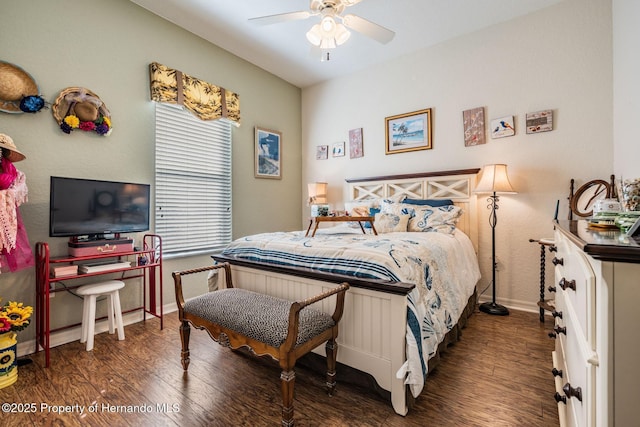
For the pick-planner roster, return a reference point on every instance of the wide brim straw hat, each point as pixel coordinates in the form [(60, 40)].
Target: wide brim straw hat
[(7, 143), (80, 102), (15, 84)]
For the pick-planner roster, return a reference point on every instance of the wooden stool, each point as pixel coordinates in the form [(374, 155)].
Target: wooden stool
[(111, 289), (544, 243)]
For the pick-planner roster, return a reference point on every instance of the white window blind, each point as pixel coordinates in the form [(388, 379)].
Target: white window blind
[(193, 182)]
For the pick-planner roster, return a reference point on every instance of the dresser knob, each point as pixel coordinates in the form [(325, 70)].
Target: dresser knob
[(551, 288), (572, 392), (564, 284), (556, 314), (552, 335), (557, 261), (560, 398), (553, 248), (560, 330), (557, 372)]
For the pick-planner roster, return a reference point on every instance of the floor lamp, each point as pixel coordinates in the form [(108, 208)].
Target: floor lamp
[(494, 180)]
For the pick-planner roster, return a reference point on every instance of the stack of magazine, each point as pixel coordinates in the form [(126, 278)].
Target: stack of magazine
[(99, 266)]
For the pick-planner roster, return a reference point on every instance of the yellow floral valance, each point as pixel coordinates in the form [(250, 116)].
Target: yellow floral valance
[(207, 101)]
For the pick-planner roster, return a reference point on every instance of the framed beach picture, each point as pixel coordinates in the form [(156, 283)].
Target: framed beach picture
[(408, 132), (268, 154), (355, 143), (338, 149)]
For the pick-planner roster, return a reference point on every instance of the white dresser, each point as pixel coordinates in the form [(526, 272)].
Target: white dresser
[(596, 362)]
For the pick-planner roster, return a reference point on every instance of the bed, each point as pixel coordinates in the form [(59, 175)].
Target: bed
[(401, 307)]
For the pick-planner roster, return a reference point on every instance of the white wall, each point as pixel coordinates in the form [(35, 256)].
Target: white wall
[(558, 58), (626, 87)]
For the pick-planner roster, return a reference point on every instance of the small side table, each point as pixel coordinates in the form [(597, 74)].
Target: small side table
[(544, 244), (359, 219)]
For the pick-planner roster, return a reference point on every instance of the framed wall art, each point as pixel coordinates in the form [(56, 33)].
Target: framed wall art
[(540, 121), (473, 123), (502, 127), (355, 143), (322, 152), (408, 132), (338, 149), (268, 154)]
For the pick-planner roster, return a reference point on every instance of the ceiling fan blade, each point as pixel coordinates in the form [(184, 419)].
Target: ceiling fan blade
[(368, 28), (281, 17)]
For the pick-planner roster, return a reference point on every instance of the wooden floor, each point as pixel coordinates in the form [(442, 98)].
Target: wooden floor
[(497, 375)]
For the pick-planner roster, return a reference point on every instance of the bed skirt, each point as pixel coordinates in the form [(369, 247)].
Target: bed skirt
[(353, 376)]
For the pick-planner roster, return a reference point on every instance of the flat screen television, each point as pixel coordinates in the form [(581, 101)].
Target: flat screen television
[(92, 208)]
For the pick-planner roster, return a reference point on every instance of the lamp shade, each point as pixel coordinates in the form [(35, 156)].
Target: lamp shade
[(494, 179), (317, 192)]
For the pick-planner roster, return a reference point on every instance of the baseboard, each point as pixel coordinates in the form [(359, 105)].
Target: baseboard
[(73, 334), (515, 304)]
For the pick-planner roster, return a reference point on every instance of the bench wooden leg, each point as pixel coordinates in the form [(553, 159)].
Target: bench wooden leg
[(287, 379), (185, 333), (332, 351)]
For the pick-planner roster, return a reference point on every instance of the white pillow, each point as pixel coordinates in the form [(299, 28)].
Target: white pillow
[(388, 223), (441, 219)]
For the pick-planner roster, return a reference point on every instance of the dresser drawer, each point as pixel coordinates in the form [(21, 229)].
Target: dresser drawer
[(575, 284)]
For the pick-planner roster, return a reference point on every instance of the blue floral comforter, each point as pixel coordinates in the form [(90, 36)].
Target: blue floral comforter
[(443, 267)]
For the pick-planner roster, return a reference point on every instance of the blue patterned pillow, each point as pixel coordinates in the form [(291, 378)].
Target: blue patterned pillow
[(429, 202), (372, 212), (440, 219)]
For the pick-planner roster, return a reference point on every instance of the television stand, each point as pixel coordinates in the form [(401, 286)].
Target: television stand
[(145, 263)]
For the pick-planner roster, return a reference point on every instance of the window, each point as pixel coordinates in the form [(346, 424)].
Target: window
[(193, 182)]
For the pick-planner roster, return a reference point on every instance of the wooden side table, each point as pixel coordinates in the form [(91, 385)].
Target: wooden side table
[(359, 219)]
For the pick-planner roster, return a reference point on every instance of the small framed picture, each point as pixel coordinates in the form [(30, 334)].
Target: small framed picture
[(268, 159), (408, 132), (473, 123), (504, 126), (355, 143), (540, 121), (338, 149), (322, 152)]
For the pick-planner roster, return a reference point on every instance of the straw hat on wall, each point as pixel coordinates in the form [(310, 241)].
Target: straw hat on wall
[(18, 90)]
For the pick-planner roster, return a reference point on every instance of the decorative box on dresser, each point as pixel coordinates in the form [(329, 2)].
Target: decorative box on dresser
[(596, 362)]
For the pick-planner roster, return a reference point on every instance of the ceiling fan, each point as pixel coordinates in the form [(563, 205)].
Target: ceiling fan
[(332, 29)]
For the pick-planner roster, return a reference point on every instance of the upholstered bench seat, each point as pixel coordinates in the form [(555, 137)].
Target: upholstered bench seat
[(267, 325), (262, 317)]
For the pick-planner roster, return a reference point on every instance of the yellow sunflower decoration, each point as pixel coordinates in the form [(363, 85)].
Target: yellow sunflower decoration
[(14, 316), (7, 357)]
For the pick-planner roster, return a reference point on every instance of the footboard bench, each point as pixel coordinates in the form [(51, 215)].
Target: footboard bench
[(267, 325)]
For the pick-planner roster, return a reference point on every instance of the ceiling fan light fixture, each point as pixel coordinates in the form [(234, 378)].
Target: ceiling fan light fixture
[(328, 25), (314, 35), (342, 34), (328, 43)]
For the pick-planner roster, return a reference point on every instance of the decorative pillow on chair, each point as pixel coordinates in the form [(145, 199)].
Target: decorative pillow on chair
[(388, 223), (441, 219)]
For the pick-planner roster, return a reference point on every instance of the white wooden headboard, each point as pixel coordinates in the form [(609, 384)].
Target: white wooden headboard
[(456, 185)]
